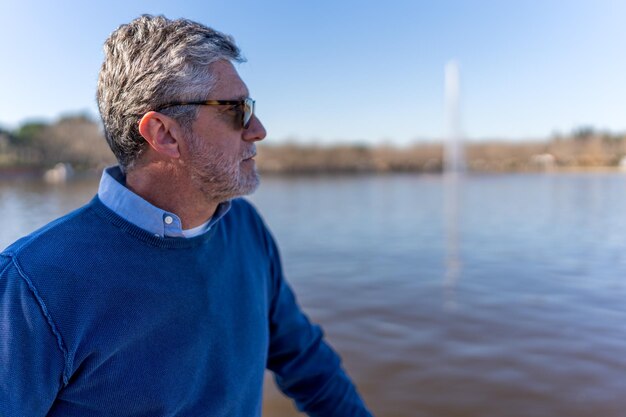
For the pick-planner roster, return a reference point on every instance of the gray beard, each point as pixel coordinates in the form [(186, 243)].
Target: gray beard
[(220, 177)]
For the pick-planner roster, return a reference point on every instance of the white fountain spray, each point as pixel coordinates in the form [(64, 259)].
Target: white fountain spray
[(454, 159)]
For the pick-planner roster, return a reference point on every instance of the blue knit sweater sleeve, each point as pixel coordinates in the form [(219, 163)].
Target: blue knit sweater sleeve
[(305, 367), (31, 361)]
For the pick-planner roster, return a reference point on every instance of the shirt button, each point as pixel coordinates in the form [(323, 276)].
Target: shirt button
[(168, 219)]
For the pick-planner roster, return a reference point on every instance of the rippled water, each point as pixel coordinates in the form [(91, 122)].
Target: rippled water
[(510, 304)]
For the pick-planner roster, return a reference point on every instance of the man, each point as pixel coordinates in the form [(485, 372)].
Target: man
[(163, 296)]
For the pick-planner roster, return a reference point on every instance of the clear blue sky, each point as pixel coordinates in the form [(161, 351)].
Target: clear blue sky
[(328, 70)]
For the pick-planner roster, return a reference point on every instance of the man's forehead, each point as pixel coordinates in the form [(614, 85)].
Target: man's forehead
[(228, 83)]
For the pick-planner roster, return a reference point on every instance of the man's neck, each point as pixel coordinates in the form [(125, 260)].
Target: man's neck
[(165, 188)]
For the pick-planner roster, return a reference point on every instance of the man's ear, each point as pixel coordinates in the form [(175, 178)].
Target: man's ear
[(162, 133)]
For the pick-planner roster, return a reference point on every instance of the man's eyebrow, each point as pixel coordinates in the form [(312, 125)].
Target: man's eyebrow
[(234, 98), (243, 96)]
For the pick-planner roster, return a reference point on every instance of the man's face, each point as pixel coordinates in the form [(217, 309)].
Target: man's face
[(220, 151)]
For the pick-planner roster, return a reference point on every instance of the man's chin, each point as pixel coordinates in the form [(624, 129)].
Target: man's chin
[(247, 184), (251, 183)]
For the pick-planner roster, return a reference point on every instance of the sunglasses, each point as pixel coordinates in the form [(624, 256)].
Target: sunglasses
[(246, 104)]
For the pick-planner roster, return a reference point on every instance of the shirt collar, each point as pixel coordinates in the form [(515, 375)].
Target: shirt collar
[(133, 208)]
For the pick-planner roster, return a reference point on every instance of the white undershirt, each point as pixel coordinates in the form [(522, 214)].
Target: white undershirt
[(198, 230)]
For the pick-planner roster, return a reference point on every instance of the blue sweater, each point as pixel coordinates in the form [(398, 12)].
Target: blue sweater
[(101, 318)]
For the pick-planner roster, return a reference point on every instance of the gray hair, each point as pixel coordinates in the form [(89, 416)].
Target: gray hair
[(149, 62)]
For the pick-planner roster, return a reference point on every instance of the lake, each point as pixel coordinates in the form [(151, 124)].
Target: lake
[(491, 295)]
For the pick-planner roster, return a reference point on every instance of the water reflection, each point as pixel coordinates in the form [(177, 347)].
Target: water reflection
[(452, 183)]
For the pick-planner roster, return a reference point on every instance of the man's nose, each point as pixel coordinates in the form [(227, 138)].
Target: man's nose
[(255, 131)]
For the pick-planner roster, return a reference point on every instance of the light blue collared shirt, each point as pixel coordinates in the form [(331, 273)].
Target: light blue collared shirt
[(131, 207)]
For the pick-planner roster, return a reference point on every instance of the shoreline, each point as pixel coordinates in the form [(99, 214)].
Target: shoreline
[(37, 173)]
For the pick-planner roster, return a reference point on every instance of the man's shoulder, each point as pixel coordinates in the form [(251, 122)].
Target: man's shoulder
[(244, 219), (54, 235), (58, 257), (243, 211), (242, 204)]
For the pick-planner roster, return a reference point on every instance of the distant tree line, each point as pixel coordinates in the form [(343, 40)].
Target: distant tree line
[(78, 140), (584, 148)]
